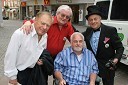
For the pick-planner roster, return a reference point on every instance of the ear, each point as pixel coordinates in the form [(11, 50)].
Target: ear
[(57, 13), (36, 19)]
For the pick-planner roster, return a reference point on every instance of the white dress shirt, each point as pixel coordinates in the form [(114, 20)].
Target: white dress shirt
[(23, 52)]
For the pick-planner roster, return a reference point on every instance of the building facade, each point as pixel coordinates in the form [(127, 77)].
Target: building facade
[(10, 8), (1, 19), (78, 7)]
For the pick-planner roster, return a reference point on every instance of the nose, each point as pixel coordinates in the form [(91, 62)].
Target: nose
[(65, 17), (93, 21), (45, 26), (77, 42)]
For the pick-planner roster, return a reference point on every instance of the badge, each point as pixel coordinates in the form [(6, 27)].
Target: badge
[(106, 45), (106, 40)]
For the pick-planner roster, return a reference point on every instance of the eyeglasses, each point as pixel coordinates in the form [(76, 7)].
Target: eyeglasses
[(63, 15), (78, 41)]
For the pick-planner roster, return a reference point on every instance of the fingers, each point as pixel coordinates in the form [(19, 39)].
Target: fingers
[(62, 82), (26, 29), (13, 82), (111, 68), (115, 61), (39, 62), (31, 28)]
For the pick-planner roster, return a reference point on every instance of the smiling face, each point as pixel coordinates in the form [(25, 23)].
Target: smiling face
[(94, 21), (63, 17), (42, 24), (77, 43)]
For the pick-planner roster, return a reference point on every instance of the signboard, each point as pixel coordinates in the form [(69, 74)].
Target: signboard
[(23, 0), (23, 4), (63, 1), (35, 2), (46, 2), (80, 15)]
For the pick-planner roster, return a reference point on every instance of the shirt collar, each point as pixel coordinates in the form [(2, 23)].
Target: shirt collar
[(34, 31), (97, 29)]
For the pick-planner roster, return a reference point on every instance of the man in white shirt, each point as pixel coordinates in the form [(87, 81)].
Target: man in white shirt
[(23, 51)]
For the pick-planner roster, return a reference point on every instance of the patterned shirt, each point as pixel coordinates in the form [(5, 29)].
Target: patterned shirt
[(94, 41), (76, 72)]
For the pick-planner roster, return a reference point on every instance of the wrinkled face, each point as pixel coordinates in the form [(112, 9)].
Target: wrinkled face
[(77, 43), (94, 21), (63, 17), (42, 24)]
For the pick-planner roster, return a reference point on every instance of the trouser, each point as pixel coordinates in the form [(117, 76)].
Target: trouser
[(24, 75), (98, 80), (97, 83), (53, 57), (108, 81)]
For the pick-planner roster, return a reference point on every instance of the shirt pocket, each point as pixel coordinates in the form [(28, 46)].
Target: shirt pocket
[(85, 73), (70, 71)]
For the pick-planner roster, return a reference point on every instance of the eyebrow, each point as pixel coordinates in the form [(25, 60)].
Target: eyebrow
[(45, 23)]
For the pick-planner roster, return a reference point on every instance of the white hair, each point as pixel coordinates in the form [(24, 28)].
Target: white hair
[(76, 33), (64, 7)]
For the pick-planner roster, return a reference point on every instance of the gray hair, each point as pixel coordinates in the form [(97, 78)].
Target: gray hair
[(64, 7), (76, 33), (39, 14)]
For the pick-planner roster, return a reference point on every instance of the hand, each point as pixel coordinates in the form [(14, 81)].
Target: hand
[(62, 82), (39, 62), (14, 82), (92, 83), (27, 27), (115, 60)]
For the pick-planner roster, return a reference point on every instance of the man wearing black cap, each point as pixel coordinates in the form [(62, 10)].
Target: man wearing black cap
[(105, 44)]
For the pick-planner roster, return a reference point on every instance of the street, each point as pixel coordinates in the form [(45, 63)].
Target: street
[(121, 77)]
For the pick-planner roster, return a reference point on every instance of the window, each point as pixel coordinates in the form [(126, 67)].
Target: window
[(119, 10)]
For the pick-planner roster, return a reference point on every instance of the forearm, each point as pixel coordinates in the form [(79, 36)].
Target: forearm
[(27, 27), (92, 78), (58, 75), (10, 59)]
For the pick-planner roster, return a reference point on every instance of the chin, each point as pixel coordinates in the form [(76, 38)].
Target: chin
[(63, 22), (78, 49), (41, 34)]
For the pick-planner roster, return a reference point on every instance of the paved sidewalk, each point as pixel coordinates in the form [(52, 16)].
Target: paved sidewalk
[(5, 34)]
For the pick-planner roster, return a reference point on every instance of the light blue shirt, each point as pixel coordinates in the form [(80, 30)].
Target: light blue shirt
[(76, 72), (94, 41)]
